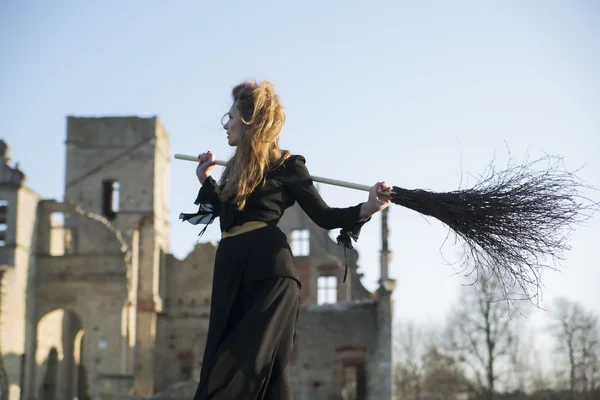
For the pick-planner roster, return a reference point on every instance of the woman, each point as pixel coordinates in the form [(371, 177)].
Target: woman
[(255, 291)]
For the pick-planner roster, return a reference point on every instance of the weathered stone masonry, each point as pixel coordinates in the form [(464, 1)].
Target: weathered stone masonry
[(96, 307)]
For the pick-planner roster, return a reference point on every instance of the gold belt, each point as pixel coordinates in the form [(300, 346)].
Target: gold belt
[(246, 227)]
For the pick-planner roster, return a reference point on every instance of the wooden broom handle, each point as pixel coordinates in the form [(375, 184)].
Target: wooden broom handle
[(335, 182)]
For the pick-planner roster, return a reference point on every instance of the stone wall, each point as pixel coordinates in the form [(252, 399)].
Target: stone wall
[(88, 287), (18, 261), (95, 297), (118, 167), (183, 325), (324, 333)]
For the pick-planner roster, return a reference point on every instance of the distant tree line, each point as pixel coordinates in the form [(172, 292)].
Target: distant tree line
[(484, 353)]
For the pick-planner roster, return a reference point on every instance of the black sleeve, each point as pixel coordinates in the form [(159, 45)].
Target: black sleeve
[(300, 186), (208, 195), (209, 206)]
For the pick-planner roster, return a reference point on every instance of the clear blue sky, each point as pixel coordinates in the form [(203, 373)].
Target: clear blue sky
[(409, 92)]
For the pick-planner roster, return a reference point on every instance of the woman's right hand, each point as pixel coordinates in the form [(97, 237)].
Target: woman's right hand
[(205, 165)]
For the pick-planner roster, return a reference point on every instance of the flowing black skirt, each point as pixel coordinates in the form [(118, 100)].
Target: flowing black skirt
[(253, 317)]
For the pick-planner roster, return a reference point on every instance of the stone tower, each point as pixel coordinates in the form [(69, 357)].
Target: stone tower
[(18, 205), (385, 312), (118, 167), (95, 307)]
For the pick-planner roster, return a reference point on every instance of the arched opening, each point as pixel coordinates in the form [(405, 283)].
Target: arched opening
[(48, 389), (60, 371), (351, 361), (79, 386)]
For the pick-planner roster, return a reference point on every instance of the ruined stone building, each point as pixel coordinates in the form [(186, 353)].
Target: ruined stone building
[(94, 306)]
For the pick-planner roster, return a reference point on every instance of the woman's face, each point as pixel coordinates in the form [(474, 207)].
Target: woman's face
[(232, 123)]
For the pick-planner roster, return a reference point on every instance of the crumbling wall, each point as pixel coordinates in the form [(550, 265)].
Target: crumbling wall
[(324, 334), (184, 323), (90, 282)]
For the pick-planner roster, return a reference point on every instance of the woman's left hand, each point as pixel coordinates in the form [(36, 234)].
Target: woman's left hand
[(379, 197)]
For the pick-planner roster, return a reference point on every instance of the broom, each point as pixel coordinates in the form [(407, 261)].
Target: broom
[(510, 221)]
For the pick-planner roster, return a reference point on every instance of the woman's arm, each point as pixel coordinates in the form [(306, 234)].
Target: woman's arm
[(300, 185), (208, 194), (207, 199), (209, 206)]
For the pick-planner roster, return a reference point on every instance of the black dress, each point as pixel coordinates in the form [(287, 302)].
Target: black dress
[(255, 290)]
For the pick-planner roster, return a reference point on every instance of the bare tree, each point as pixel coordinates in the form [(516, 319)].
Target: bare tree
[(589, 353), (539, 379), (422, 369), (409, 346), (443, 375), (481, 335), (577, 335), (520, 352)]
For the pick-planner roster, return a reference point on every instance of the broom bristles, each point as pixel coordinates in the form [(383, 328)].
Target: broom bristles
[(511, 222)]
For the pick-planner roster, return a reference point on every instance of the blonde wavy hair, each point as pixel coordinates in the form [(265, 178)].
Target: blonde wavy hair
[(262, 118)]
